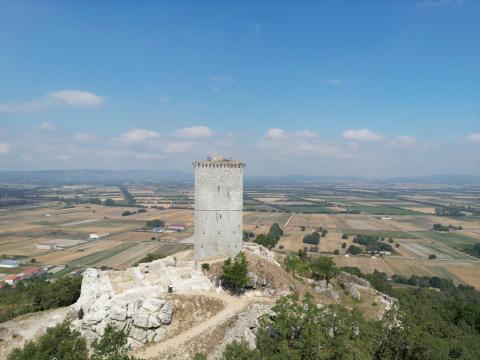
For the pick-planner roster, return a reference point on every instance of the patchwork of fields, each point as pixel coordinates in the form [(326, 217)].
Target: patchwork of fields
[(403, 217)]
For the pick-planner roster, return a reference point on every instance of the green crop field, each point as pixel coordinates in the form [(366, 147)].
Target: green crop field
[(381, 233), (382, 210), (309, 209), (92, 259), (451, 239)]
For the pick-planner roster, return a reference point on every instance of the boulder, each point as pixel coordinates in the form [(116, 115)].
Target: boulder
[(352, 290), (160, 334), (150, 335), (153, 305), (347, 277), (165, 314), (138, 334), (140, 318)]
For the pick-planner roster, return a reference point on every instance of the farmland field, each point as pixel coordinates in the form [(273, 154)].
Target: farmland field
[(410, 209)]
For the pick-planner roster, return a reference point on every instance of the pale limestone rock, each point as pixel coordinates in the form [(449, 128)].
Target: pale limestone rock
[(154, 321), (138, 334), (160, 333), (140, 319), (150, 335), (166, 313), (153, 305)]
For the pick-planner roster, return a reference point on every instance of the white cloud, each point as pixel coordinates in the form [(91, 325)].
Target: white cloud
[(137, 136), (194, 132), (474, 137), (305, 134), (45, 125), (4, 148), (76, 98), (179, 147), (334, 82), (58, 98), (84, 138), (223, 79), (403, 141), (302, 143), (275, 134), (361, 135)]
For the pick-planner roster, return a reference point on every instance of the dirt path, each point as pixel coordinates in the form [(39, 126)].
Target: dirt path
[(288, 221), (233, 305)]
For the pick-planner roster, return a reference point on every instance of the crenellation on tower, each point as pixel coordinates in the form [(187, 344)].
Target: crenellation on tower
[(218, 208)]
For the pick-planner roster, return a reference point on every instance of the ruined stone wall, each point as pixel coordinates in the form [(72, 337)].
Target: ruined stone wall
[(218, 208)]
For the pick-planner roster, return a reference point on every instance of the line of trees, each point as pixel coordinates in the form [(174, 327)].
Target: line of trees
[(272, 238)]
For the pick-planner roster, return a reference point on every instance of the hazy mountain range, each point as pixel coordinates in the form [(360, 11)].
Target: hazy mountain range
[(86, 176)]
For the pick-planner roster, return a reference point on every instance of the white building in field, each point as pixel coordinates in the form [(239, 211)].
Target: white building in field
[(98, 236), (218, 208)]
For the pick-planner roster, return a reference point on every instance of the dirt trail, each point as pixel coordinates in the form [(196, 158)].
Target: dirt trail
[(233, 305)]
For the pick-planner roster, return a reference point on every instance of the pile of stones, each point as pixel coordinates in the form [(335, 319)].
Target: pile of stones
[(142, 313)]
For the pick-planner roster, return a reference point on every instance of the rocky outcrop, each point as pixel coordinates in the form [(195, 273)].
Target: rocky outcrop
[(133, 300), (324, 287), (351, 289), (255, 281), (244, 328), (262, 252), (347, 277), (142, 313)]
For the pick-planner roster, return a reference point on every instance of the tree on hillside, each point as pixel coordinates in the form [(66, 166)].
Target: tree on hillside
[(276, 230), (300, 330), (323, 268), (64, 343), (239, 351), (234, 274), (59, 342), (111, 346)]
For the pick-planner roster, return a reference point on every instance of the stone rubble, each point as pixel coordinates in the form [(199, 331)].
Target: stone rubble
[(244, 328), (347, 277), (262, 252), (139, 309), (324, 287)]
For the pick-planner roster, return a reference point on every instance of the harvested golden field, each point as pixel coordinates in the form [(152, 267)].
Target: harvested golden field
[(426, 210), (67, 255), (460, 271)]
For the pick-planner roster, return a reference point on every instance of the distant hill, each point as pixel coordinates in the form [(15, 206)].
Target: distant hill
[(87, 176), (448, 179)]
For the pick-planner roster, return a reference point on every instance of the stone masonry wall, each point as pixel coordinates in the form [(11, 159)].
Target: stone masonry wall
[(218, 208)]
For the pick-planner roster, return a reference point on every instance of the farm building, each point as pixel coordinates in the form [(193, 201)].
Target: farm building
[(46, 246), (31, 272), (9, 263), (12, 279), (95, 236), (177, 227)]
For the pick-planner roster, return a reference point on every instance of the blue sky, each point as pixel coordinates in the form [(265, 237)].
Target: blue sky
[(380, 88)]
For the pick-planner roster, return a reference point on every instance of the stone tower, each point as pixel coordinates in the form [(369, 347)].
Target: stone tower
[(218, 208)]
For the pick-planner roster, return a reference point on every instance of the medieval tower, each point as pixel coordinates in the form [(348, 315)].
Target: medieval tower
[(218, 208)]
